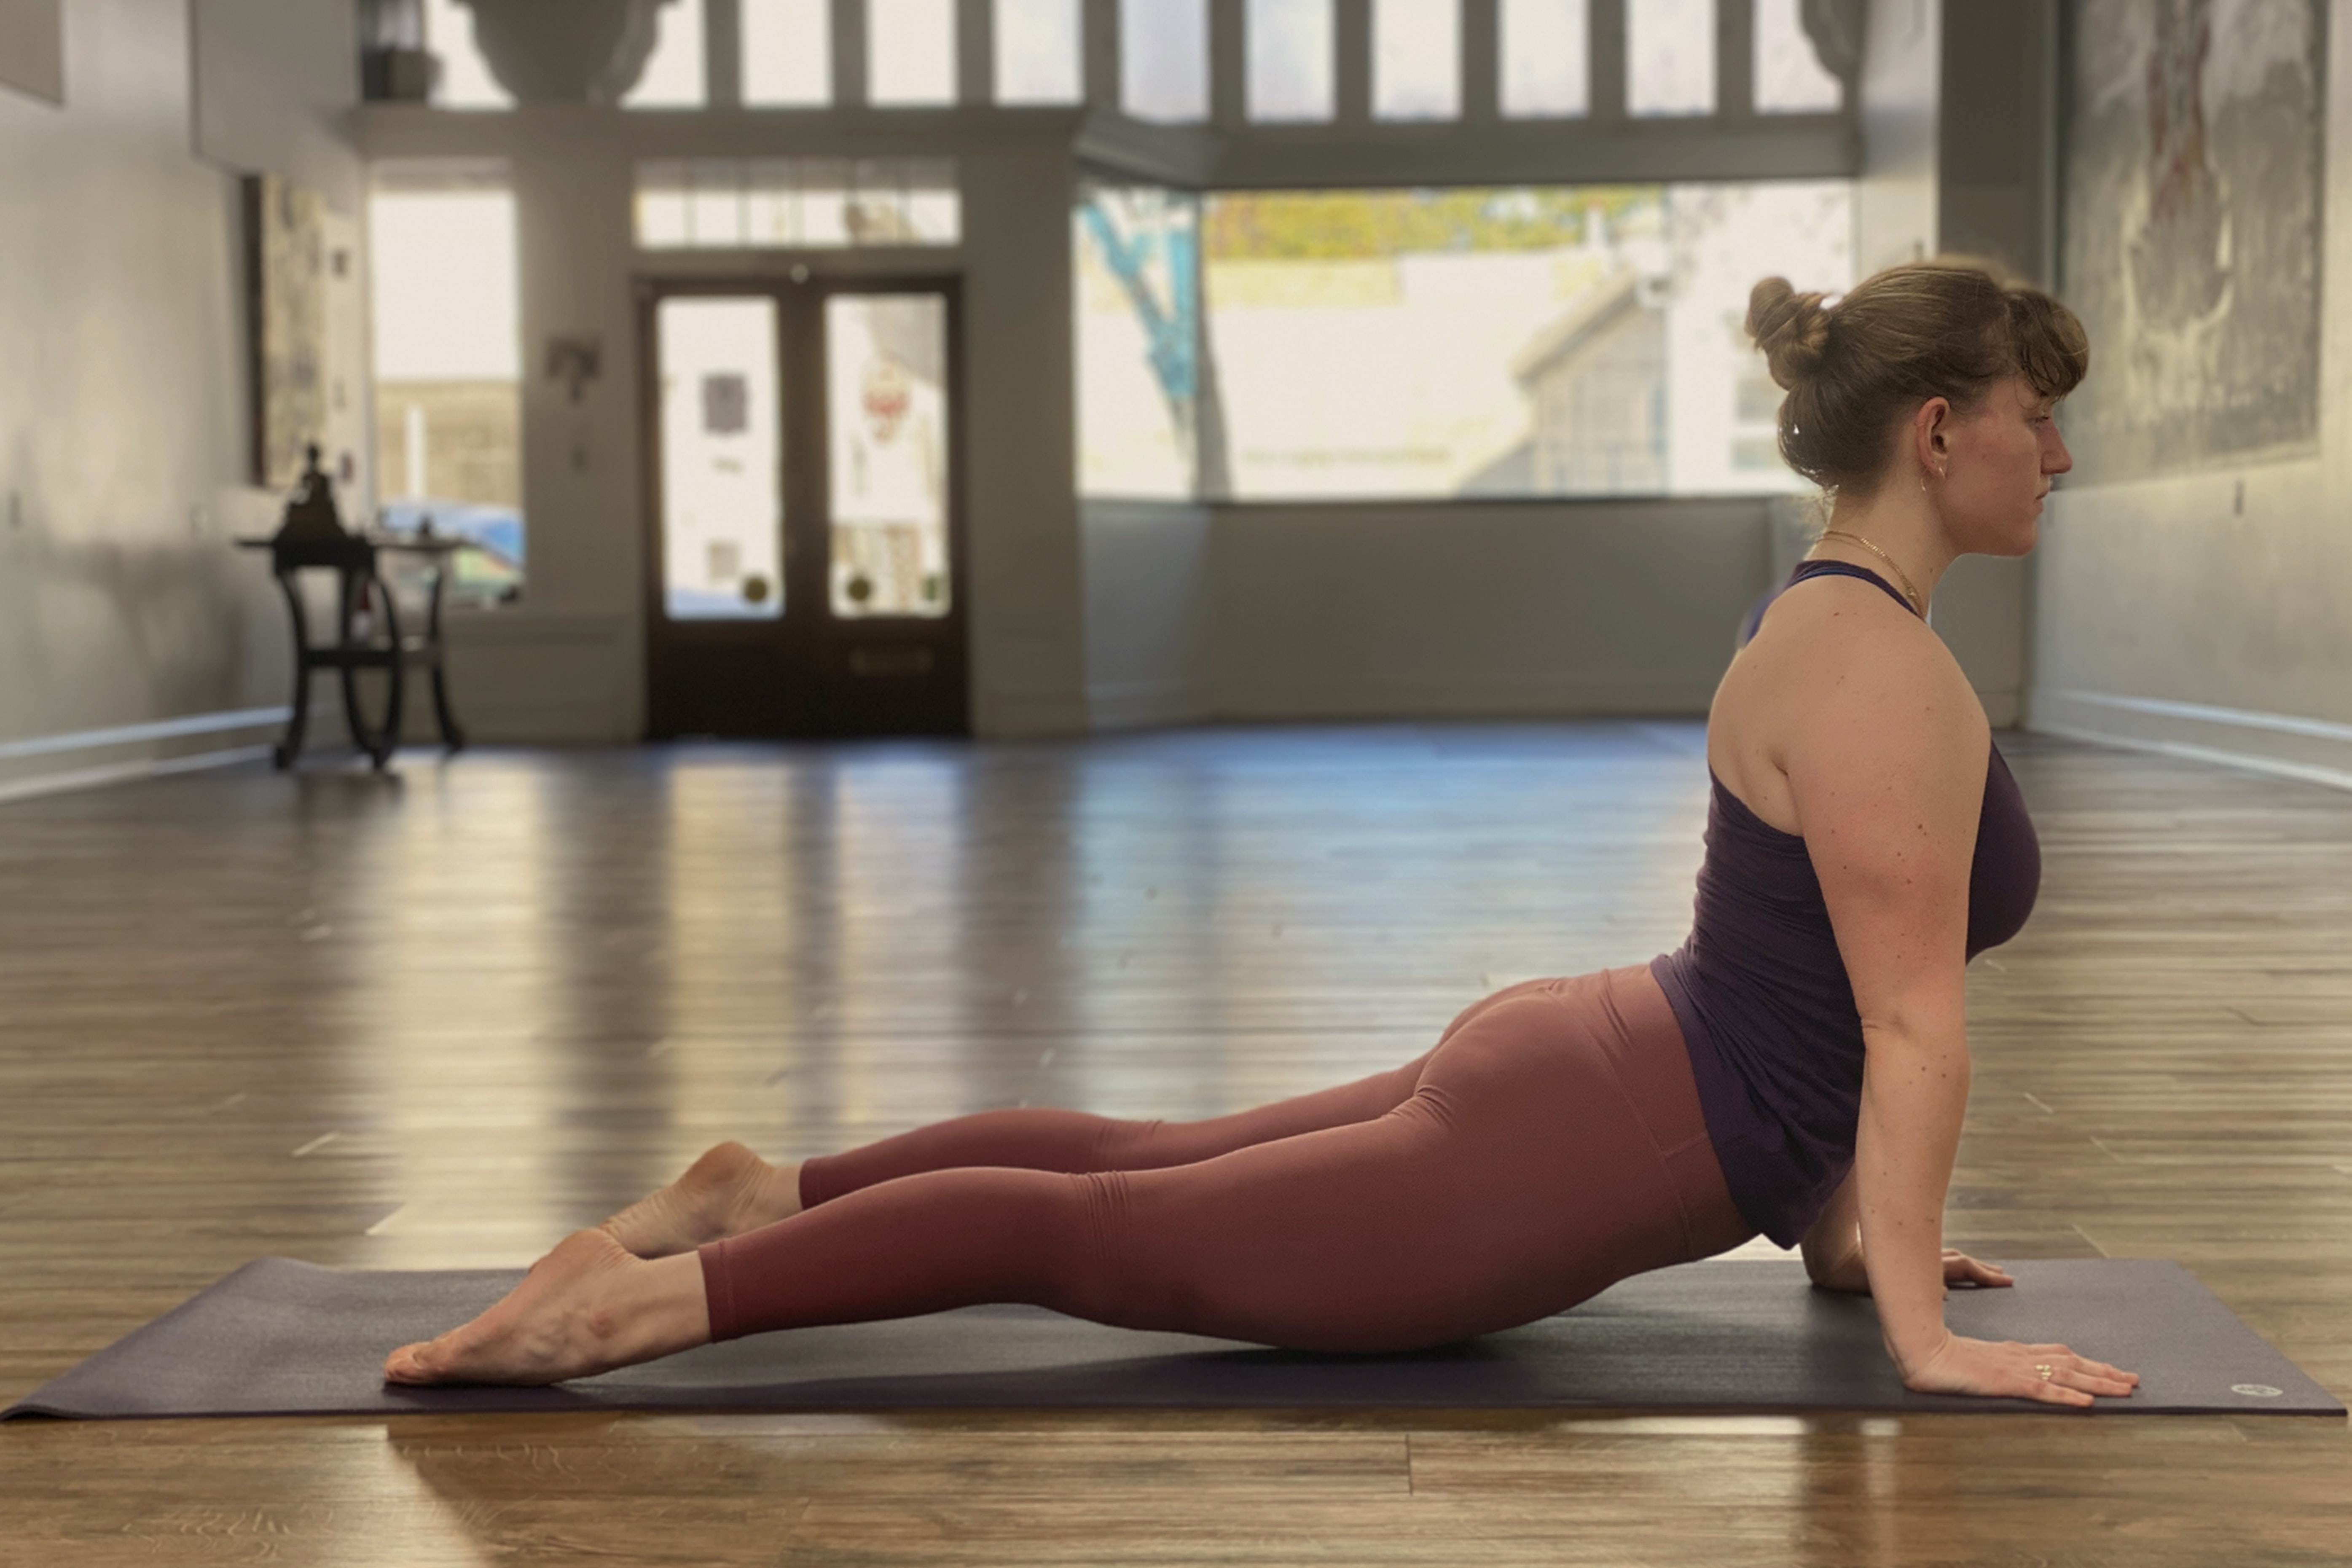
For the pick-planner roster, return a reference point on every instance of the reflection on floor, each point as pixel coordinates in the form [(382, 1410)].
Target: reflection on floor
[(439, 1019)]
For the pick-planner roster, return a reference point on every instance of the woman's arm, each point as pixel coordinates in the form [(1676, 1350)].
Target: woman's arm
[(1885, 754), (1832, 1247)]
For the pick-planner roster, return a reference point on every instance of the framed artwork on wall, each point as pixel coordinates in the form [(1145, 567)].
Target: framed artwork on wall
[(308, 334), (2192, 170)]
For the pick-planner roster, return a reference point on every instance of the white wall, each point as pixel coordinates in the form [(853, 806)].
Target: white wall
[(1149, 591), (130, 632), (2211, 613), (1415, 609)]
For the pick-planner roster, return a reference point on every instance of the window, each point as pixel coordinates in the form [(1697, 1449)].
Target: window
[(1790, 78), (1291, 59), (1544, 53), (786, 204), (1565, 341), (1164, 58), (673, 77), (466, 80), (1416, 59), (911, 53), (1670, 56), (1138, 333), (448, 366), (787, 48), (1037, 52)]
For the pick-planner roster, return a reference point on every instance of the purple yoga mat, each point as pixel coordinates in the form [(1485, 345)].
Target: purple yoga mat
[(280, 1338)]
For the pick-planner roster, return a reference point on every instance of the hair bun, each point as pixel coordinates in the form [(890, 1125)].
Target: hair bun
[(1791, 329)]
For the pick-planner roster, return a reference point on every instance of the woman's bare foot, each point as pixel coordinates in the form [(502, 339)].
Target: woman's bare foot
[(727, 1191), (586, 1307)]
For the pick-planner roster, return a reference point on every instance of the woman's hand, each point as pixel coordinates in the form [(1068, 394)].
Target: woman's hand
[(1959, 1268), (2006, 1370), (1843, 1271)]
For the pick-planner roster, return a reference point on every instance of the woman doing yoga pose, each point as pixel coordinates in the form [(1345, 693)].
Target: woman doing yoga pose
[(1799, 1067)]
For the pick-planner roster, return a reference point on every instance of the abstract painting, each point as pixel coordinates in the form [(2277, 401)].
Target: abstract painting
[(2191, 242)]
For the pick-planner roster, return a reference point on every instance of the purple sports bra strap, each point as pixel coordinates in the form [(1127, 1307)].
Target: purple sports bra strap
[(1846, 569)]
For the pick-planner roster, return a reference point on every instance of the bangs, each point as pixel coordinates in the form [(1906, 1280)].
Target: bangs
[(2052, 350)]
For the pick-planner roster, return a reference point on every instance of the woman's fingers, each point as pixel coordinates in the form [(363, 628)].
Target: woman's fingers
[(1959, 1268), (2080, 1375)]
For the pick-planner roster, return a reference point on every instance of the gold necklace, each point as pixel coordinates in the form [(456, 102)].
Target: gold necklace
[(1902, 580)]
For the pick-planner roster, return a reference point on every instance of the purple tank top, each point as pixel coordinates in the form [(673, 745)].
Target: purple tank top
[(1766, 1008)]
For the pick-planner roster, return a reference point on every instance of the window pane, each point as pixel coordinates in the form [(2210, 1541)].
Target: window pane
[(787, 53), (1545, 44), (1565, 341), (887, 382), (1163, 46), (448, 366), (723, 465), (1670, 56), (1138, 299), (911, 52), (1790, 78), (1291, 59), (1037, 52), (775, 203), (714, 204), (1417, 59), (674, 75), (466, 80)]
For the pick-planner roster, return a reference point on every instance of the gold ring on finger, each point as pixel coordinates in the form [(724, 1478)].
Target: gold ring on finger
[(2046, 1369)]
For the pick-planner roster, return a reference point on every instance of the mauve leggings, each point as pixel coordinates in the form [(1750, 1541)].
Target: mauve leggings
[(1549, 1145)]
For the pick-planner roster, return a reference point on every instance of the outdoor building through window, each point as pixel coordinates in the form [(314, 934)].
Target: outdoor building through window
[(449, 365), (1559, 341)]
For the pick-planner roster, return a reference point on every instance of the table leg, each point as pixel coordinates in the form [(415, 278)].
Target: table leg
[(451, 736), (298, 720)]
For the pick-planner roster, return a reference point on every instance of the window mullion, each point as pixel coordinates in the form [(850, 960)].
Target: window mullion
[(1605, 58), (1482, 60)]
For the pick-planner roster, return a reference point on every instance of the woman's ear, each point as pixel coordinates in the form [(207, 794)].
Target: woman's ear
[(1931, 439)]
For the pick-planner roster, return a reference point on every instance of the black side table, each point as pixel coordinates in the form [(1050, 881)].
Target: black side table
[(379, 646)]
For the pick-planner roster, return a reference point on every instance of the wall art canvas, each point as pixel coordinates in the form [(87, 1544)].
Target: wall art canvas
[(2190, 230)]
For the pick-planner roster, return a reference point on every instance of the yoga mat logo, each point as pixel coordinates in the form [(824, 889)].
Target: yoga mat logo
[(2256, 1390)]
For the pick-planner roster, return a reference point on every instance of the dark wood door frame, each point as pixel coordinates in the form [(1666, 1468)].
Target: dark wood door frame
[(830, 675)]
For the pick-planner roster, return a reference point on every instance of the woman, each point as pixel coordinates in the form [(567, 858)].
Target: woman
[(1800, 1067)]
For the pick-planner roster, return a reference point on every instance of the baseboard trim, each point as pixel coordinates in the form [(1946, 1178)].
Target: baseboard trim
[(126, 772), (140, 735), (2283, 745)]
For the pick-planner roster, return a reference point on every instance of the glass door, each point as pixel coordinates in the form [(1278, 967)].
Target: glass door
[(805, 549)]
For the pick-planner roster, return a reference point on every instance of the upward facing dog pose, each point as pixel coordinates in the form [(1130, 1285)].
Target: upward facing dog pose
[(1799, 1067)]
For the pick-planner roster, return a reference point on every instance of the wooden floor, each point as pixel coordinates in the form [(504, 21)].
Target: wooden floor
[(438, 1019)]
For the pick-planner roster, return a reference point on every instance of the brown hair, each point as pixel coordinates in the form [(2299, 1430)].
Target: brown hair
[(1854, 367)]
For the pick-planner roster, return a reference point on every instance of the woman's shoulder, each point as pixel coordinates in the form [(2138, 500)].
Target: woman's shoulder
[(1839, 672)]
